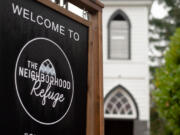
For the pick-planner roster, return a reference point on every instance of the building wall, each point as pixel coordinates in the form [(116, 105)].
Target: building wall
[(133, 73)]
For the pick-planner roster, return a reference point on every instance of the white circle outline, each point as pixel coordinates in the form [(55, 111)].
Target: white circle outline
[(38, 121)]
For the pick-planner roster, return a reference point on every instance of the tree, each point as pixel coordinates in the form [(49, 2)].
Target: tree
[(162, 29), (160, 32), (167, 81), (158, 124)]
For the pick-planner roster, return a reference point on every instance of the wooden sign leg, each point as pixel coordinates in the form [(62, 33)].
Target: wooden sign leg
[(95, 112)]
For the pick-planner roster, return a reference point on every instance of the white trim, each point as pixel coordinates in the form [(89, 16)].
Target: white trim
[(126, 2), (117, 61), (117, 116), (125, 77)]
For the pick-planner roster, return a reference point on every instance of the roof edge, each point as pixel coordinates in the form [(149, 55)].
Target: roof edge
[(127, 2)]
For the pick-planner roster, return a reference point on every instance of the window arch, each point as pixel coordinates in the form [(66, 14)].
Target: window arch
[(120, 104), (119, 36)]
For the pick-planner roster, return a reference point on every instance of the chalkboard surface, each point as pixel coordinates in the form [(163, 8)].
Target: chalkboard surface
[(44, 57)]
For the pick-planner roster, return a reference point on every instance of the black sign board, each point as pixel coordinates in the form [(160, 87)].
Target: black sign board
[(44, 61)]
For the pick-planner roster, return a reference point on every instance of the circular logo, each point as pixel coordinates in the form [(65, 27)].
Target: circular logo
[(44, 81)]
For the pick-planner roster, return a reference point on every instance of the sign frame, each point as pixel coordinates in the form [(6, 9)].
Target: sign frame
[(95, 111)]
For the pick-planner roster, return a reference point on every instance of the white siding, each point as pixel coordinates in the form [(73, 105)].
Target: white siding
[(133, 73)]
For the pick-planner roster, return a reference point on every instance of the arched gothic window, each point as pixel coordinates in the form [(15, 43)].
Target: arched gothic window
[(120, 104), (119, 28)]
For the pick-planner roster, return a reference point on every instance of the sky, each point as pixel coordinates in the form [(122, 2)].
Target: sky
[(157, 10)]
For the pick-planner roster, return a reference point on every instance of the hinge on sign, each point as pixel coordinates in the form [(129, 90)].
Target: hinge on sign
[(85, 14), (93, 0), (57, 2), (65, 4), (62, 3)]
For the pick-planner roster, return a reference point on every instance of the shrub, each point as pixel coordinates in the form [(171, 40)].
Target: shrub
[(167, 82)]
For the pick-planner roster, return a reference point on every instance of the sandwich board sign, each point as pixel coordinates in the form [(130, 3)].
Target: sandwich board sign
[(44, 70)]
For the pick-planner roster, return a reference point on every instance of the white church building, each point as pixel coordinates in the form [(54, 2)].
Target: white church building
[(126, 75), (126, 70)]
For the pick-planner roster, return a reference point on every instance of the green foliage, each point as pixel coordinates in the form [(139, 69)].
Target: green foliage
[(164, 27), (158, 124), (167, 81)]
